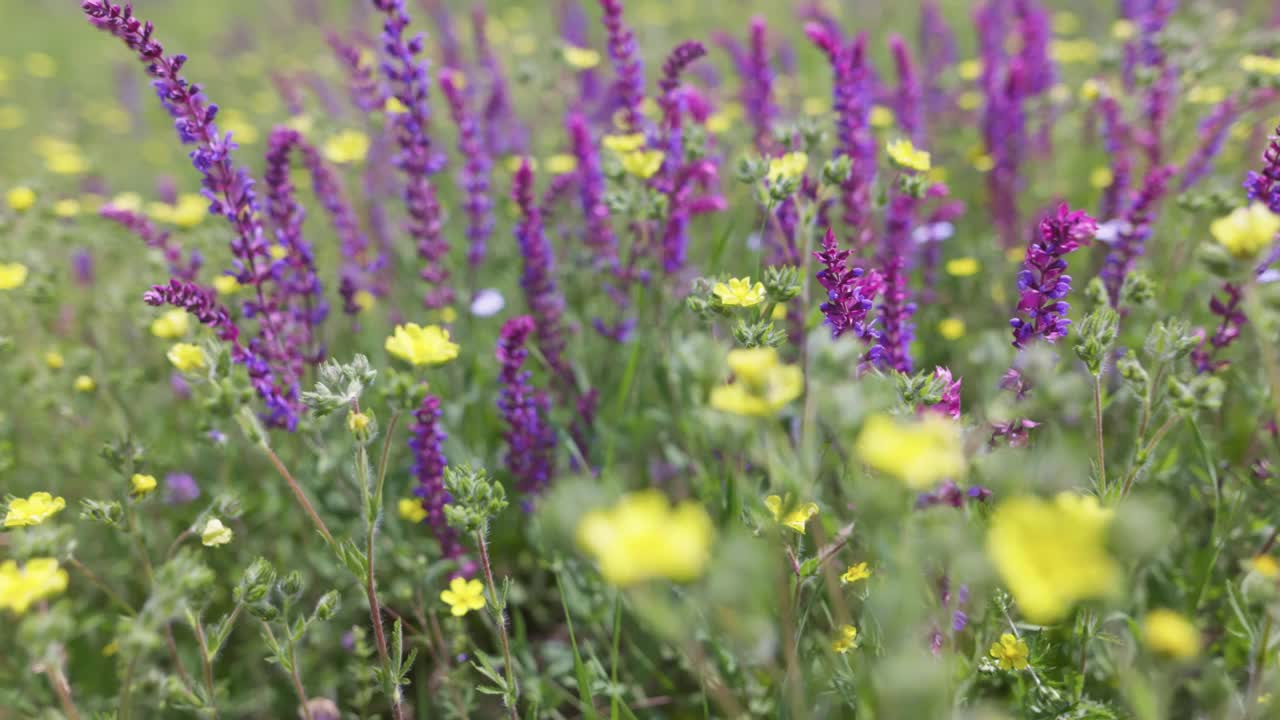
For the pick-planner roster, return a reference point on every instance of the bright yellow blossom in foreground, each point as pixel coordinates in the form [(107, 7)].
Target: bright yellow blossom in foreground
[(24, 512), (419, 345), (21, 198), (186, 357), (902, 152), (1260, 64), (919, 452), (12, 275), (644, 164), (622, 144), (142, 485), (1168, 633), (1011, 651), (739, 292), (171, 324), (790, 516), (463, 596), (84, 384), (39, 579), (226, 285), (856, 572), (411, 509), (1265, 565), (762, 385), (580, 58), (215, 533), (789, 167), (347, 147), (1246, 231), (357, 421), (643, 537), (846, 640), (1052, 553)]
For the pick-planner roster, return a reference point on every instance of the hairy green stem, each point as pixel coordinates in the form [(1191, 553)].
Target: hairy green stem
[(483, 547)]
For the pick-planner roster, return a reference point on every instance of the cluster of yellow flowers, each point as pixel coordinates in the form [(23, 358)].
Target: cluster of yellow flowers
[(919, 452), (33, 510), (22, 587), (739, 292), (186, 357), (189, 211), (787, 514), (643, 537), (12, 275), (905, 155), (788, 168), (636, 160), (419, 345), (348, 147), (762, 385)]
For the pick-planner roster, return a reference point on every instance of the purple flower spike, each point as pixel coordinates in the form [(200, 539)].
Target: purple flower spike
[(850, 292), (366, 93), (1213, 133), (538, 279), (949, 405), (896, 308), (155, 238), (938, 49), (426, 440), (627, 65), (599, 236), (1043, 281), (476, 169), (1134, 230), (531, 441), (908, 98)]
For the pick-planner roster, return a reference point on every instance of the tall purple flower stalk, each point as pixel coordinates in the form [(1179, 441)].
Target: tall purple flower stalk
[(1158, 103), (450, 48), (1229, 308), (1033, 27), (426, 440), (476, 169), (680, 177), (538, 278), (228, 188), (938, 52), (628, 65), (1213, 131), (530, 439), (908, 98), (503, 132), (301, 294), (757, 84), (850, 292), (406, 74), (366, 92), (1134, 230), (1043, 282), (896, 308), (599, 235), (1005, 82), (1117, 139), (574, 30), (158, 239)]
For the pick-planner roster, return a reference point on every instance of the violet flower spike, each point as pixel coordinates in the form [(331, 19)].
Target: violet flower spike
[(896, 308), (426, 441), (1213, 130), (938, 53), (530, 440), (628, 65), (1043, 282), (599, 235), (156, 238), (908, 98), (366, 92), (850, 292), (476, 169), (1134, 231), (538, 277)]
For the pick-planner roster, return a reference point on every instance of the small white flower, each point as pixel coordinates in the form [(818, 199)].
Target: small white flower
[(487, 303), (1111, 230)]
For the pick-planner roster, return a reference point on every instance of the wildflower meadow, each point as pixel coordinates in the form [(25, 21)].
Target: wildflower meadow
[(631, 359)]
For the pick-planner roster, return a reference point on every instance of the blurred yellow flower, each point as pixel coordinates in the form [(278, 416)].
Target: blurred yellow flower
[(190, 211), (856, 572), (846, 639), (411, 509), (419, 345), (969, 100), (13, 275), (172, 323), (969, 69), (12, 117), (789, 167), (920, 452), (66, 208), (40, 65), (1052, 554), (242, 131), (357, 421), (33, 510), (643, 537), (1260, 64), (278, 252), (21, 198), (142, 485), (226, 285), (581, 58), (1169, 633), (463, 596), (762, 385), (84, 384), (186, 357), (902, 152), (54, 360), (623, 144), (1123, 30), (348, 147), (304, 124), (1090, 89), (1101, 178), (787, 515), (1068, 52), (215, 533), (643, 164), (130, 201), (880, 117), (1065, 23), (814, 106), (952, 328), (721, 120), (739, 292), (22, 587), (72, 163), (561, 164), (393, 106), (963, 266), (984, 163), (1265, 565), (1206, 94), (1246, 231), (365, 300), (1011, 651)]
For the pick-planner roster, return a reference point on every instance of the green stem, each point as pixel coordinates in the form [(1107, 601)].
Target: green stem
[(298, 493), (483, 547), (370, 579), (1097, 414), (207, 665)]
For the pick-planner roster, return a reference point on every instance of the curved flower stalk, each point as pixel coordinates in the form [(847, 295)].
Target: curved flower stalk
[(538, 278), (599, 235), (1117, 139), (476, 169), (426, 441), (366, 92), (230, 191), (628, 66), (909, 97), (158, 239), (530, 439), (1213, 131), (1043, 282), (1134, 231), (406, 76), (681, 178), (503, 132), (450, 47), (1229, 308)]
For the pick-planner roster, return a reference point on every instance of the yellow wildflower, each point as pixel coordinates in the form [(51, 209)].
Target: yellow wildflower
[(969, 100), (66, 208), (1052, 554), (963, 267), (1101, 178), (1123, 29), (411, 509), (880, 117), (347, 147), (644, 164), (12, 275), (814, 106), (463, 596), (1067, 52), (142, 485), (33, 510), (11, 117), (919, 452), (1265, 565), (789, 167), (643, 537), (419, 345), (84, 384), (54, 360), (1206, 94), (66, 163), (40, 65), (1090, 89), (902, 152), (110, 648), (1169, 633), (721, 120), (226, 285), (969, 69), (130, 201), (394, 106), (951, 328), (846, 639), (304, 123), (984, 163), (739, 292), (21, 198), (1011, 651), (365, 300), (779, 312), (1260, 64), (794, 517), (242, 131), (186, 357), (1246, 231), (580, 58), (39, 579), (561, 164), (623, 144), (857, 572), (762, 387), (1065, 23), (191, 210), (215, 533), (357, 421), (172, 323)]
